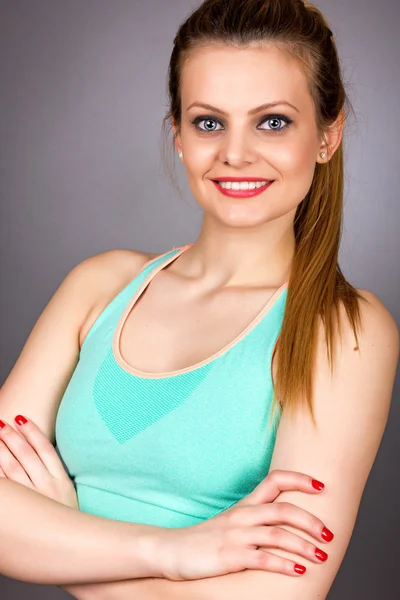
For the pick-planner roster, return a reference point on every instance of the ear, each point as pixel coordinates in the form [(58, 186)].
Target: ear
[(332, 138), (177, 137)]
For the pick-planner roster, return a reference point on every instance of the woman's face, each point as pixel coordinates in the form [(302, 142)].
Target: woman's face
[(229, 138)]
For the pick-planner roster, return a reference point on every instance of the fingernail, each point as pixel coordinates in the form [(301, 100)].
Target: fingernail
[(299, 569), (20, 420), (2, 424), (318, 485), (321, 554), (327, 535)]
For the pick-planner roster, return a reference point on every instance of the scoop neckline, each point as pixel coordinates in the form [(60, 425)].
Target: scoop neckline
[(169, 374)]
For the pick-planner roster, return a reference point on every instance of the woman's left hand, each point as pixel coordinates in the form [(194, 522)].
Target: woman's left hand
[(28, 457)]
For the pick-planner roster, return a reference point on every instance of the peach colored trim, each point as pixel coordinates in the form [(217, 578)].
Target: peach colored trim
[(117, 334), (164, 254)]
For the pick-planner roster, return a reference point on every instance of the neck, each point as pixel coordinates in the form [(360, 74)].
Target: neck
[(238, 258)]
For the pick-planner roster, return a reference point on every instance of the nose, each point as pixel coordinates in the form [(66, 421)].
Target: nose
[(237, 148)]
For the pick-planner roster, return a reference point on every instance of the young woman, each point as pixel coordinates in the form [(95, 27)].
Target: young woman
[(194, 396)]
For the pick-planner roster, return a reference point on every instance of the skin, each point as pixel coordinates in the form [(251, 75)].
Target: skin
[(248, 243)]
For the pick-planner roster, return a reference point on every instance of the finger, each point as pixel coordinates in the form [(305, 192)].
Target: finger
[(265, 561), (25, 455), (278, 481), (11, 468), (277, 537), (2, 474), (281, 513), (41, 445)]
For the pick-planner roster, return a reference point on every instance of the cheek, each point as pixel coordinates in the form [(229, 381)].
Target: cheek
[(200, 158), (296, 164), (199, 163), (294, 157)]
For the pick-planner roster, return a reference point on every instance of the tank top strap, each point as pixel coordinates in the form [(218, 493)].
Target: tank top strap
[(109, 317)]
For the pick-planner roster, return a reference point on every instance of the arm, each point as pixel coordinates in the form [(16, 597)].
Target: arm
[(41, 540), (351, 411)]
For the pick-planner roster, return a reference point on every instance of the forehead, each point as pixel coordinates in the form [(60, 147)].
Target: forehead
[(231, 78)]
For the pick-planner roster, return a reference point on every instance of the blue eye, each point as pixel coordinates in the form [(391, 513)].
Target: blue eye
[(211, 123), (207, 121), (277, 119)]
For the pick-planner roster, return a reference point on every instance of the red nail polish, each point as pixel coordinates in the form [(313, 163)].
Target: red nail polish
[(299, 569), (321, 554), (318, 485), (327, 535), (2, 424), (20, 420)]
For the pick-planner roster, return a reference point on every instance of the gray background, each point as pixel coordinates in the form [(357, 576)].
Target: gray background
[(82, 96)]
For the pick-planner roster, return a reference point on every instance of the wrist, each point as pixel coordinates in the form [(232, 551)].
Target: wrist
[(147, 549)]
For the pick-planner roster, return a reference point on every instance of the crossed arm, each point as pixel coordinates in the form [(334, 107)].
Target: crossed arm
[(351, 410)]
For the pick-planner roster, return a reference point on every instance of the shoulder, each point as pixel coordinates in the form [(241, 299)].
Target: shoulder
[(112, 267), (362, 374), (378, 335), (102, 276), (376, 316)]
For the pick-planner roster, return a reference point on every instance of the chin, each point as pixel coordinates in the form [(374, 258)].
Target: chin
[(238, 220)]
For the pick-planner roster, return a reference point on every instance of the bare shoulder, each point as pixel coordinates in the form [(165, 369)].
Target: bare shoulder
[(106, 274), (113, 267), (371, 361), (378, 325)]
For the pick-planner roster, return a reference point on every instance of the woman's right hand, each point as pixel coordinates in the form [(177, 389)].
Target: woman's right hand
[(229, 542)]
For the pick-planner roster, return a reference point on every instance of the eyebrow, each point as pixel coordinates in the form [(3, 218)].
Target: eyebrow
[(253, 111)]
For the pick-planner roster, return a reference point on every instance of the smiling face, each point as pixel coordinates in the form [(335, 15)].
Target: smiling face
[(229, 139)]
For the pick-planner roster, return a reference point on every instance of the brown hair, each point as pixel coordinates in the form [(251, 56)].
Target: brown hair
[(317, 285)]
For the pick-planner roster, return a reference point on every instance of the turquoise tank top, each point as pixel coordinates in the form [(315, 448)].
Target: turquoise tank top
[(168, 449)]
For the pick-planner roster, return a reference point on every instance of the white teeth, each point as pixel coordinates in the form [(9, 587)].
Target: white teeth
[(242, 185)]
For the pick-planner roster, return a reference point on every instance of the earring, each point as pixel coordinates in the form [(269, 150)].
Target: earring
[(180, 155), (322, 154)]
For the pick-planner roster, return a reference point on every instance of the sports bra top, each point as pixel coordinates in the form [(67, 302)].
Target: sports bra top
[(169, 449)]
